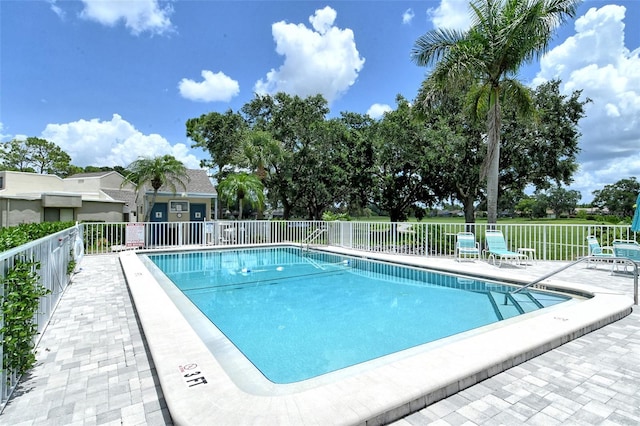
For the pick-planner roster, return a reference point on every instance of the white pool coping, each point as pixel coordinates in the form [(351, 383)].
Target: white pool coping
[(372, 393)]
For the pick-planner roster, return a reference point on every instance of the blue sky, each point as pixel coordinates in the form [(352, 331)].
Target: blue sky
[(109, 81)]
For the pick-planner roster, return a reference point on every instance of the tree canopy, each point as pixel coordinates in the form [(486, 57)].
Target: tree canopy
[(537, 151), (35, 155), (422, 153), (407, 171), (219, 135), (619, 198), (504, 35)]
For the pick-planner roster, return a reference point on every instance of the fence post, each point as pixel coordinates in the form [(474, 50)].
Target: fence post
[(544, 241)]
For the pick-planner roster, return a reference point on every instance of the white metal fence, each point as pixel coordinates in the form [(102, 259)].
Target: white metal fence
[(53, 253), (548, 241)]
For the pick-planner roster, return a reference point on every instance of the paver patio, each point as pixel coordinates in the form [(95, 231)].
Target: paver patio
[(93, 367)]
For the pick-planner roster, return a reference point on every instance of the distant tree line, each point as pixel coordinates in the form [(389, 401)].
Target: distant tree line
[(411, 159), (36, 155), (419, 155), (284, 152)]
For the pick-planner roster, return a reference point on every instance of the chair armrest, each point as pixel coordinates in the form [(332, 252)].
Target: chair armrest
[(607, 250)]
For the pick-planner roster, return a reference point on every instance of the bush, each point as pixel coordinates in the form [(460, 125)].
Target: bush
[(19, 305), (22, 291), (330, 216), (24, 233), (609, 219)]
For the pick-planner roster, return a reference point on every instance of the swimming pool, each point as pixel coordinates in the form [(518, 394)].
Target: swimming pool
[(297, 314), (206, 380)]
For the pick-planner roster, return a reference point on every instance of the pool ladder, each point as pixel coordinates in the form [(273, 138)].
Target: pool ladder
[(583, 259), (312, 237)]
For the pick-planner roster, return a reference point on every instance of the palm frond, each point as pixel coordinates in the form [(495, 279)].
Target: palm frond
[(434, 45), (519, 96), (478, 101)]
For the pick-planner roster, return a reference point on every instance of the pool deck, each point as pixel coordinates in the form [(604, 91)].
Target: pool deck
[(94, 366)]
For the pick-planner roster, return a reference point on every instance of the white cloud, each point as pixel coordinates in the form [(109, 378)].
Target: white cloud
[(451, 14), (214, 87), (3, 136), (112, 143), (596, 61), (408, 16), (376, 111), (323, 60), (56, 9), (594, 175), (138, 15)]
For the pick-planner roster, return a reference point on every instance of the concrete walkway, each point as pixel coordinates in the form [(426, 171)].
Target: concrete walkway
[(93, 368)]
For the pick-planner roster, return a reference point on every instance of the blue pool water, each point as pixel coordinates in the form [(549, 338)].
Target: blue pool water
[(298, 315)]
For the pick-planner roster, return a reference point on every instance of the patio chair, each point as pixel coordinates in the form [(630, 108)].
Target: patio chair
[(625, 249), (466, 246), (600, 253), (497, 249)]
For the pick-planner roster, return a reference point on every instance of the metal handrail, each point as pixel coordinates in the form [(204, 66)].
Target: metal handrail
[(313, 236), (587, 258)]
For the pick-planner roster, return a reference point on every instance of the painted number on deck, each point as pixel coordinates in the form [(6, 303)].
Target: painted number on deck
[(192, 375)]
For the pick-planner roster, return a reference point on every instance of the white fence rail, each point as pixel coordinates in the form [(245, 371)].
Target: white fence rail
[(548, 241), (53, 253)]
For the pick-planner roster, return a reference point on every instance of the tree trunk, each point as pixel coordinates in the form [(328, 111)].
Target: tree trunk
[(286, 210), (262, 175), (492, 162), (147, 216), (469, 211)]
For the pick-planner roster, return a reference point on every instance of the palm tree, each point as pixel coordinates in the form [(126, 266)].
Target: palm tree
[(504, 35), (241, 186), (260, 150), (262, 153), (158, 172)]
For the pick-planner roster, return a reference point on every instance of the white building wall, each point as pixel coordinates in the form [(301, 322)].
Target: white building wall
[(17, 183)]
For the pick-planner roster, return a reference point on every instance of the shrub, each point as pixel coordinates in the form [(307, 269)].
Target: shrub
[(21, 295), (330, 216), (24, 233), (19, 305)]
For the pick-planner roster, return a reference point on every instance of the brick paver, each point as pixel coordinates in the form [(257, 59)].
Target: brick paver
[(592, 380), (93, 369)]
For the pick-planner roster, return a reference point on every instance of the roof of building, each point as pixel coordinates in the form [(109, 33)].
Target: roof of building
[(129, 197), (91, 174), (198, 184)]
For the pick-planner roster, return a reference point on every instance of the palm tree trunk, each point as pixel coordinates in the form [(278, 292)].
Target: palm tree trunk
[(147, 217), (262, 175), (493, 157)]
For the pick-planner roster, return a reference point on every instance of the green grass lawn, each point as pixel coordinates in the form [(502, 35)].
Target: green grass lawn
[(505, 221), (555, 239)]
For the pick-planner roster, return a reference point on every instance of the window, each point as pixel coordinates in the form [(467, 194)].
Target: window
[(178, 206), (1, 182)]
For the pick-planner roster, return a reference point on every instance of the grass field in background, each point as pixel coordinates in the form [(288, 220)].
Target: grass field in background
[(515, 220), (552, 239)]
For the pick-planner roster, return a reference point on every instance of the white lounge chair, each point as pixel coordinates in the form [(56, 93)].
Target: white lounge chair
[(599, 253), (497, 249), (466, 246), (627, 250)]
